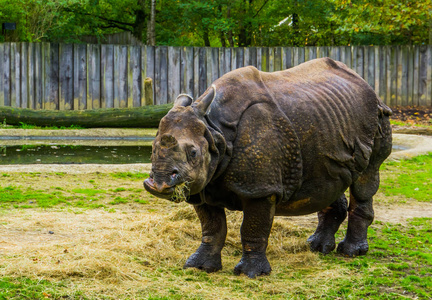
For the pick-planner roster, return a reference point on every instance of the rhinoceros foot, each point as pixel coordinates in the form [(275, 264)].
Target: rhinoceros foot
[(353, 248), (204, 259), (323, 243), (253, 264)]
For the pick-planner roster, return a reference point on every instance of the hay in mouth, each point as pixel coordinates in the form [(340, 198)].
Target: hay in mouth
[(181, 192)]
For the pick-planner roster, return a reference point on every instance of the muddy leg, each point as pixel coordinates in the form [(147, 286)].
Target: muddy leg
[(329, 220), (257, 222), (214, 230)]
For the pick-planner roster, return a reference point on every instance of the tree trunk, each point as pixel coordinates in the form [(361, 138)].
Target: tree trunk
[(230, 33), (141, 117), (140, 21), (151, 32), (206, 37)]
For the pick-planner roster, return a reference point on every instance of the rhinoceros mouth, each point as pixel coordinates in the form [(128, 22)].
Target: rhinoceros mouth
[(166, 193)]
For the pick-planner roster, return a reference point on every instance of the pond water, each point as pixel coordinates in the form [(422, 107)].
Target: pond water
[(73, 154), (82, 154)]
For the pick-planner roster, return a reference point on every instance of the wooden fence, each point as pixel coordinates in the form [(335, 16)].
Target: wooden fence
[(65, 76)]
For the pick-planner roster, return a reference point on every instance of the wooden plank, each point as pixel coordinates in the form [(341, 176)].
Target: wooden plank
[(381, 79), (134, 77), (399, 75), (394, 76), (95, 76), (107, 76), (150, 67), (39, 84), (208, 63), (335, 53), (415, 76), (359, 61), (46, 50), (7, 74), (259, 58), (66, 76), (246, 56), (271, 59), (196, 93), (295, 58), (173, 73), (346, 56), (265, 57), (253, 57), (371, 66), (222, 64), (120, 76), (15, 75), (406, 63), (187, 71), (80, 77), (388, 62), (214, 64), (423, 78), (301, 55), (233, 59), (429, 76), (24, 78), (2, 67), (202, 72), (228, 54), (138, 90), (163, 67), (143, 64), (31, 75), (278, 59), (287, 57), (313, 53), (240, 57)]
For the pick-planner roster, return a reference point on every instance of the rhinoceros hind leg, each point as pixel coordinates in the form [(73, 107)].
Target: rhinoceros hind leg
[(329, 220), (257, 222), (360, 216), (214, 230)]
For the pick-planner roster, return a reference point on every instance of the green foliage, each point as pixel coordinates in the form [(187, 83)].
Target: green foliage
[(225, 22), (410, 178)]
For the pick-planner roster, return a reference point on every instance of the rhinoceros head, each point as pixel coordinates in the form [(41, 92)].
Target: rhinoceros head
[(184, 149)]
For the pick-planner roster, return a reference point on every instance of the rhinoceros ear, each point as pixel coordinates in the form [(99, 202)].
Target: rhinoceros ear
[(202, 106), (183, 100)]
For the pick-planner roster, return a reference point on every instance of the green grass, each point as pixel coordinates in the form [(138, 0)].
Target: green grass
[(25, 288), (397, 266), (410, 178), (130, 175)]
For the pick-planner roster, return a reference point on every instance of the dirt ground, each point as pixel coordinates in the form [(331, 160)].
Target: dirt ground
[(413, 115)]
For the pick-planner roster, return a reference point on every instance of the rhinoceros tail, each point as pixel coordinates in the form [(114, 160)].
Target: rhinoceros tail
[(384, 110)]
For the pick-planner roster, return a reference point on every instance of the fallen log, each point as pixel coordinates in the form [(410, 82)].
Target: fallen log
[(139, 117)]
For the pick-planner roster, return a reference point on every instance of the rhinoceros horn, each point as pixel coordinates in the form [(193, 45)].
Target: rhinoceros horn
[(168, 141), (202, 106), (183, 100)]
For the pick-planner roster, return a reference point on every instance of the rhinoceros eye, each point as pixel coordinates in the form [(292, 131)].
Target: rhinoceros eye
[(193, 153)]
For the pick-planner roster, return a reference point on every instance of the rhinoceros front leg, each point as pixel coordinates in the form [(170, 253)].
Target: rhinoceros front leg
[(329, 220), (214, 230), (255, 230)]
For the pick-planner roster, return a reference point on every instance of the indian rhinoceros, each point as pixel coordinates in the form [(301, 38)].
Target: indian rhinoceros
[(275, 144)]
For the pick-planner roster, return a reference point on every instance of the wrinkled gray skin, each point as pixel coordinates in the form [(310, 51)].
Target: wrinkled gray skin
[(284, 143)]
